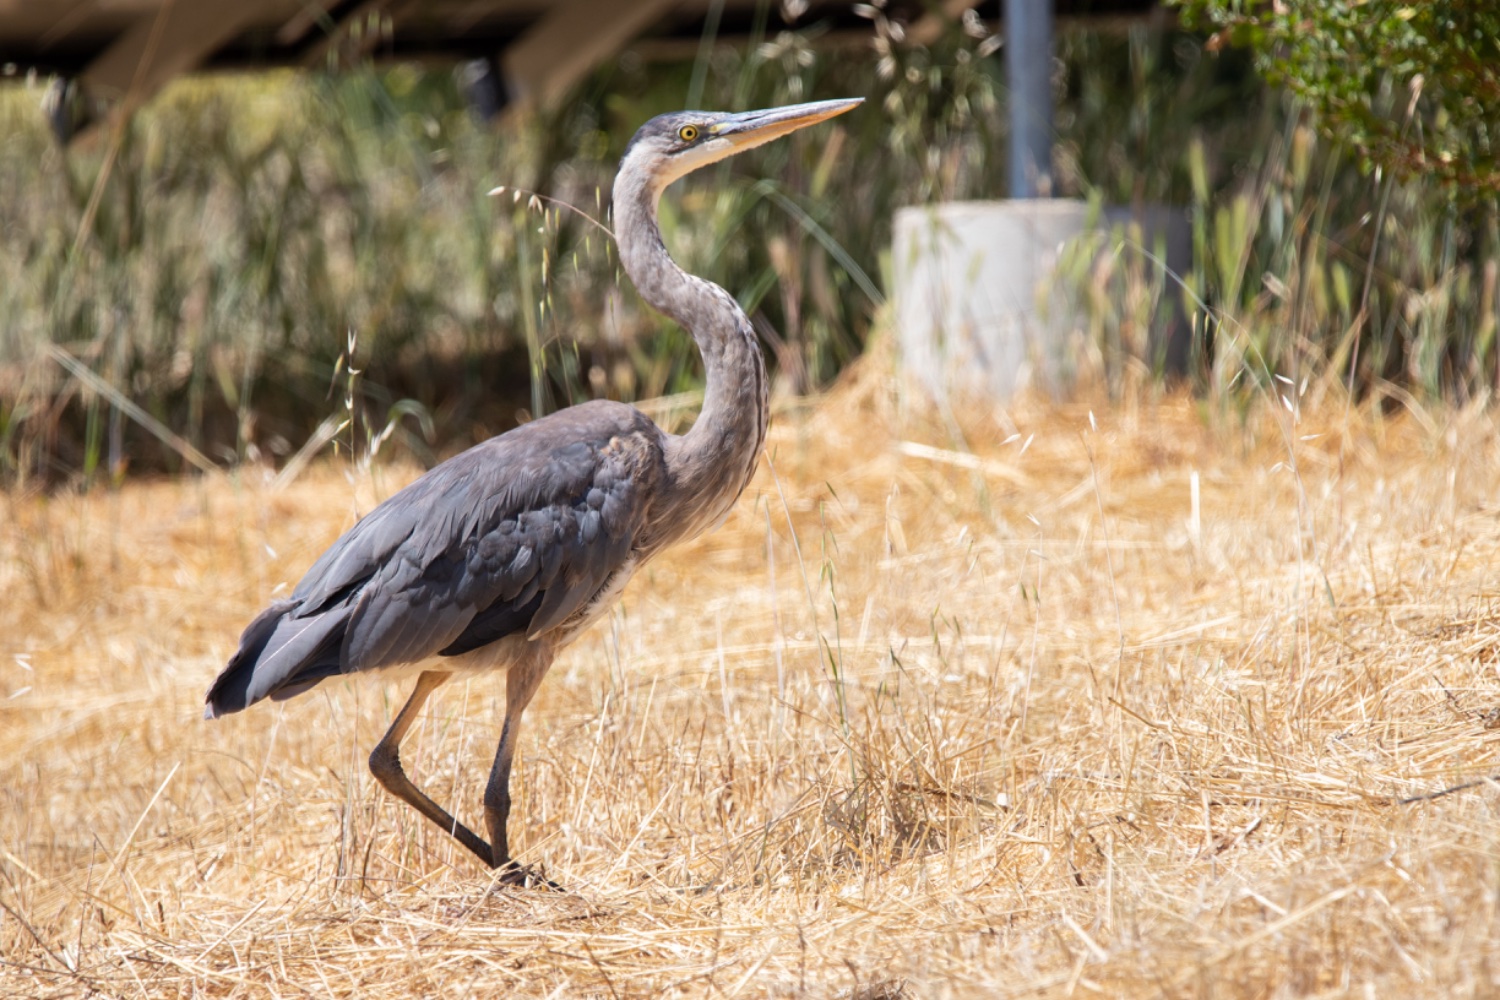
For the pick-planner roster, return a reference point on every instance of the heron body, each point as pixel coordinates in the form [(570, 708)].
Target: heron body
[(499, 557)]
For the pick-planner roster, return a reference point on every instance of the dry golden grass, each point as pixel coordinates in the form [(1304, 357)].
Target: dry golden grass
[(916, 722)]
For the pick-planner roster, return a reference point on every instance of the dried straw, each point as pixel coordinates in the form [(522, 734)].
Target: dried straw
[(985, 706)]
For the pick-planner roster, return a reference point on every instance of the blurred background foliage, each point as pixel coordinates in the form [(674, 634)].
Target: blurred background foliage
[(259, 240), (1413, 87)]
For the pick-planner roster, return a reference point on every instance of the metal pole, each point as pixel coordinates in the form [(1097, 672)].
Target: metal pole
[(1028, 74)]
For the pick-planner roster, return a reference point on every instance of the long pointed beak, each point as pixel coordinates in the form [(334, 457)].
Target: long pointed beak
[(755, 127)]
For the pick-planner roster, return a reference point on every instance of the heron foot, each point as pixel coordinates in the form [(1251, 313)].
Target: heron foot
[(513, 875)]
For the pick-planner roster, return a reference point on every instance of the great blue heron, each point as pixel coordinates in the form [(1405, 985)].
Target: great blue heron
[(502, 555)]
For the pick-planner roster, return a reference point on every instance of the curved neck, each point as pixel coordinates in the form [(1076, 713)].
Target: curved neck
[(712, 462)]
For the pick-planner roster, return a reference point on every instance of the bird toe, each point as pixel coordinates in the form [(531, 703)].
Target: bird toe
[(513, 875)]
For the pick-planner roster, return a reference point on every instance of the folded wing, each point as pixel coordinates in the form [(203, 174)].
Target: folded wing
[(514, 536)]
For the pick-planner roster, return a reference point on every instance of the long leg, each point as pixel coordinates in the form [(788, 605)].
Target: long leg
[(385, 764), (521, 682)]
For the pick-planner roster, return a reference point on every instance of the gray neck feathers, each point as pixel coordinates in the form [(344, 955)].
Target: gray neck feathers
[(711, 464)]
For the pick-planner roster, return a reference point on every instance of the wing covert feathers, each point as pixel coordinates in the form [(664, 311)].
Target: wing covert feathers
[(515, 535)]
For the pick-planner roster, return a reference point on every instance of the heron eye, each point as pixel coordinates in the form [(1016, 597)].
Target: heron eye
[(688, 133)]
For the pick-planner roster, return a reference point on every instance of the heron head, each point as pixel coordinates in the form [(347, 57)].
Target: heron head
[(671, 146)]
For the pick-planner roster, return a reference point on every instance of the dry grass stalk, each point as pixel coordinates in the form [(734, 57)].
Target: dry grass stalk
[(959, 736)]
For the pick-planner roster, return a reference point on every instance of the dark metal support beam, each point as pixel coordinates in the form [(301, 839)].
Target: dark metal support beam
[(1028, 75)]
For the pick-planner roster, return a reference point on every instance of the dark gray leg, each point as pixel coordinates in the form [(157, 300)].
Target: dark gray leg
[(385, 764), (521, 682)]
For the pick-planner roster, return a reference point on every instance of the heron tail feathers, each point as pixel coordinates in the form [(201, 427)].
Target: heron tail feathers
[(280, 655)]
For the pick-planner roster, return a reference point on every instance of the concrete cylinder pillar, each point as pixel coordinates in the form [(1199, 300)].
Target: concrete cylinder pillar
[(977, 307)]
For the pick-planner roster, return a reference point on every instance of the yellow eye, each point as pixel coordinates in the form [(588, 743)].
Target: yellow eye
[(688, 133)]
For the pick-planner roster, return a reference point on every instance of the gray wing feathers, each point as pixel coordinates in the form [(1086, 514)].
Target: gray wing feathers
[(515, 535), (292, 643), (277, 646), (595, 554), (432, 586), (511, 518), (396, 619)]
